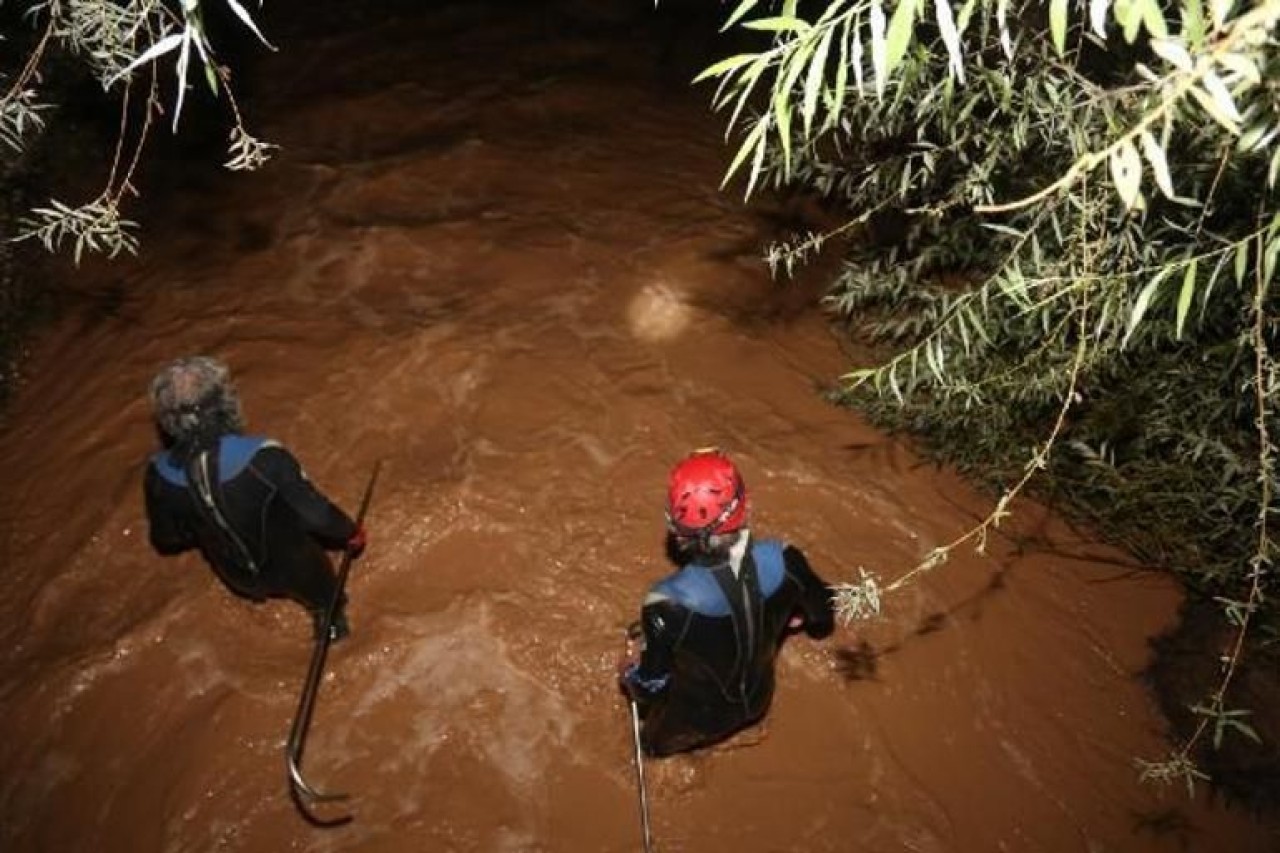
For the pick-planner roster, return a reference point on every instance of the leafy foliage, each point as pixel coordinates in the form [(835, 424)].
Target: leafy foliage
[(122, 43), (1072, 249)]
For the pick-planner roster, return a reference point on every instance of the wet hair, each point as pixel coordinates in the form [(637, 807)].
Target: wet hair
[(194, 404)]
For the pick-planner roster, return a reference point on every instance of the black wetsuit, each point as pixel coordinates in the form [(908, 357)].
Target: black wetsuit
[(259, 522), (710, 641)]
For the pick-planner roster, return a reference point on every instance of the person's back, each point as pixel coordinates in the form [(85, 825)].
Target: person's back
[(712, 630), (242, 500)]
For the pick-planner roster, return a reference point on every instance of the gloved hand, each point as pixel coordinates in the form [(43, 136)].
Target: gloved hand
[(356, 544), (630, 657)]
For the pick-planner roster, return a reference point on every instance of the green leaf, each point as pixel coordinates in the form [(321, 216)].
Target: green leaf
[(757, 163), (1140, 306), (726, 65), (1185, 295), (1220, 10), (879, 52), (165, 45), (180, 69), (847, 32), (950, 37), (1221, 95), (1014, 285), (1256, 138), (796, 64), (782, 118), (1003, 229), (1159, 166), (815, 78), (893, 383), (1126, 173), (247, 20), (1242, 261), (935, 357), (855, 60), (1058, 25), (1269, 260), (1002, 22), (748, 82), (1193, 23), (1242, 66), (779, 24), (1153, 19), (899, 35), (743, 8), (1133, 23), (1172, 52), (754, 137), (1211, 106), (1098, 17)]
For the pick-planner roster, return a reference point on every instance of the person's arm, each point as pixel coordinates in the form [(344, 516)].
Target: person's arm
[(167, 532), (815, 595), (319, 516), (651, 675)]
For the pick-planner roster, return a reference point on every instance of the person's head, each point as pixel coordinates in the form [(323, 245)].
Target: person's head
[(706, 502), (194, 403)]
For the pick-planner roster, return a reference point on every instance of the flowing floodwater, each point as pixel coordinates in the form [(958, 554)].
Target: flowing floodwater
[(492, 253)]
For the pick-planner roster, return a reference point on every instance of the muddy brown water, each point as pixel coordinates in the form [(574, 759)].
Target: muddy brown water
[(492, 253)]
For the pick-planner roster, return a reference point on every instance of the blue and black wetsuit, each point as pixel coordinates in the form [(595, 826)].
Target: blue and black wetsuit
[(711, 636), (246, 504)]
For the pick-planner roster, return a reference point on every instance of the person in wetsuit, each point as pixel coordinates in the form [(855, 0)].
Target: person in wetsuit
[(242, 500), (712, 629)]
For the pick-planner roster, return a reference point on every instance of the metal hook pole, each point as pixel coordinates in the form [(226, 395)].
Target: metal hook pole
[(631, 633), (644, 795), (303, 793)]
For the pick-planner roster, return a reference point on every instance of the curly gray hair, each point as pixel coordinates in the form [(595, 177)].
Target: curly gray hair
[(194, 402)]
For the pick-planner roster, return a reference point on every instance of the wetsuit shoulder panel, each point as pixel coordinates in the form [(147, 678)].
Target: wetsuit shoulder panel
[(770, 565), (694, 588), (165, 467), (236, 451)]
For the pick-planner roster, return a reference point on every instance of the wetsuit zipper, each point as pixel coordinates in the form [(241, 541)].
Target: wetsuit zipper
[(204, 489)]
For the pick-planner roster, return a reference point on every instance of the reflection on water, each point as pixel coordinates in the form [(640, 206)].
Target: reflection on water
[(493, 254)]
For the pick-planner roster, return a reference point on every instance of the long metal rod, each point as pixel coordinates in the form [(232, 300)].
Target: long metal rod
[(304, 793), (644, 794), (633, 632)]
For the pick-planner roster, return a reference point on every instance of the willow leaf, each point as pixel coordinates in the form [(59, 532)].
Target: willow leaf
[(814, 79), (899, 34), (1185, 295), (737, 15), (726, 65), (1058, 25)]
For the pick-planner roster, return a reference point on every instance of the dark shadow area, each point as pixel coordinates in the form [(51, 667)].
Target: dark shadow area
[(1168, 823), (1243, 773), (860, 661)]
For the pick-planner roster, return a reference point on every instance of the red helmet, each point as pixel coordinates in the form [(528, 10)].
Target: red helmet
[(706, 495)]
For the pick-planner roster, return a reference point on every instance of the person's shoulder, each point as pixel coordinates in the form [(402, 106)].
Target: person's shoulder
[(770, 560), (160, 465), (661, 590), (769, 547), (237, 451), (248, 446), (693, 587)]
